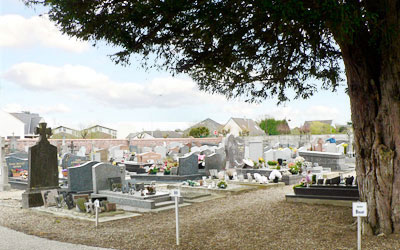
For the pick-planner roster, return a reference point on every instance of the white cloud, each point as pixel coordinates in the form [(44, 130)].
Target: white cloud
[(41, 109), (165, 92), (20, 32)]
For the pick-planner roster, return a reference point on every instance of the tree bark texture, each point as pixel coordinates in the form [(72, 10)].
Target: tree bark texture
[(373, 78)]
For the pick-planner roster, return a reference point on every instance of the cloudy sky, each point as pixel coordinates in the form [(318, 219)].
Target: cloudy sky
[(72, 83)]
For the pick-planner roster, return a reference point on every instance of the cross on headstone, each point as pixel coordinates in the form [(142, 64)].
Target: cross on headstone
[(43, 131), (72, 147)]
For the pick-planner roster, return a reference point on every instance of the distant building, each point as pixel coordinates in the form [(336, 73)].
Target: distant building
[(243, 127), (208, 123), (11, 126), (100, 132), (30, 120), (64, 132), (154, 134)]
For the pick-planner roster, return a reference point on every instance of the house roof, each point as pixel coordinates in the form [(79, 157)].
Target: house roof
[(31, 121), (250, 125), (100, 126), (64, 127), (208, 123), (158, 134)]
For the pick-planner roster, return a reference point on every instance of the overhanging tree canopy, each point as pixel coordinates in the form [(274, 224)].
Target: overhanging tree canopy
[(259, 49)]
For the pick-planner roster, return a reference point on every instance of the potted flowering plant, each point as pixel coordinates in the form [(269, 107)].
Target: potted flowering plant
[(167, 170), (261, 161), (293, 168), (272, 164), (222, 184), (153, 170), (275, 176)]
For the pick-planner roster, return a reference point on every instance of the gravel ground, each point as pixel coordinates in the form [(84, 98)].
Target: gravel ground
[(256, 220)]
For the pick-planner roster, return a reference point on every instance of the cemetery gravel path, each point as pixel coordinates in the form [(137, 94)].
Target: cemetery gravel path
[(256, 220)]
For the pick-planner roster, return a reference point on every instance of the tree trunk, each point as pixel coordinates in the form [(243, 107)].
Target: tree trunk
[(373, 78)]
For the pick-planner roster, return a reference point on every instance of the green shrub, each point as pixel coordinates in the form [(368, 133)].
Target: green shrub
[(81, 204)]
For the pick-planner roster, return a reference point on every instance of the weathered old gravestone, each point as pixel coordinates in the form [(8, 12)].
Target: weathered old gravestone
[(234, 147), (145, 157), (4, 186), (215, 161), (101, 173), (80, 178), (188, 164), (70, 160), (43, 169)]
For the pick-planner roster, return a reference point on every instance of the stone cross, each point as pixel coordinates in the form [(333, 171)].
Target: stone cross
[(43, 132), (72, 147)]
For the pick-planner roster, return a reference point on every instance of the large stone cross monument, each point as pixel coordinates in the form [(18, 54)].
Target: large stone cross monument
[(4, 186), (43, 169)]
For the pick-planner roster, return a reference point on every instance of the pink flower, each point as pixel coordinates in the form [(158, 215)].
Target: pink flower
[(201, 157)]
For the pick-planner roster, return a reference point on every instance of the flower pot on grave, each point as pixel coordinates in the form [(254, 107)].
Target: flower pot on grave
[(153, 173), (167, 172), (276, 180)]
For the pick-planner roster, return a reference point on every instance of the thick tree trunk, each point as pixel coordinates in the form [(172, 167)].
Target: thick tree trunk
[(373, 77)]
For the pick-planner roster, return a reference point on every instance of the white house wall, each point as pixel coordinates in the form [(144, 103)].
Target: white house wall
[(233, 127), (9, 125)]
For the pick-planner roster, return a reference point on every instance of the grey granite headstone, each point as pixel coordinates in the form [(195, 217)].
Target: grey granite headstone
[(184, 150), (234, 147), (101, 172), (215, 161), (80, 178), (188, 164), (70, 160), (43, 169), (4, 186), (206, 152)]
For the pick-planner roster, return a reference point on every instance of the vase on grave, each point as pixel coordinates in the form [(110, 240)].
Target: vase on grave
[(276, 180)]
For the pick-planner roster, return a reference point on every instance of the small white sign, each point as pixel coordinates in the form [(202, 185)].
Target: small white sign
[(359, 209), (175, 193), (97, 203)]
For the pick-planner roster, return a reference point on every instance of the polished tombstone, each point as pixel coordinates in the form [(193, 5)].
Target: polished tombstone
[(188, 165), (214, 161), (4, 186), (101, 172), (70, 160), (80, 178), (43, 169)]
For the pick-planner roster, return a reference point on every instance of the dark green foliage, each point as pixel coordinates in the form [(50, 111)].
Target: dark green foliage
[(274, 127), (199, 132), (255, 49)]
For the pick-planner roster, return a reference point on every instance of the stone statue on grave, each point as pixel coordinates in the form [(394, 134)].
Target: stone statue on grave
[(43, 168), (4, 186)]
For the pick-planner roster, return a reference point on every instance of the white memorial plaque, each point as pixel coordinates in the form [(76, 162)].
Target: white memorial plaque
[(359, 209)]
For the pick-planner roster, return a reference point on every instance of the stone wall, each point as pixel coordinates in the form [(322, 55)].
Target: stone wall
[(23, 144)]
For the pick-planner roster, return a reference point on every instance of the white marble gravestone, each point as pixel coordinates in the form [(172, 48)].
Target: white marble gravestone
[(269, 155), (4, 186), (255, 150)]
